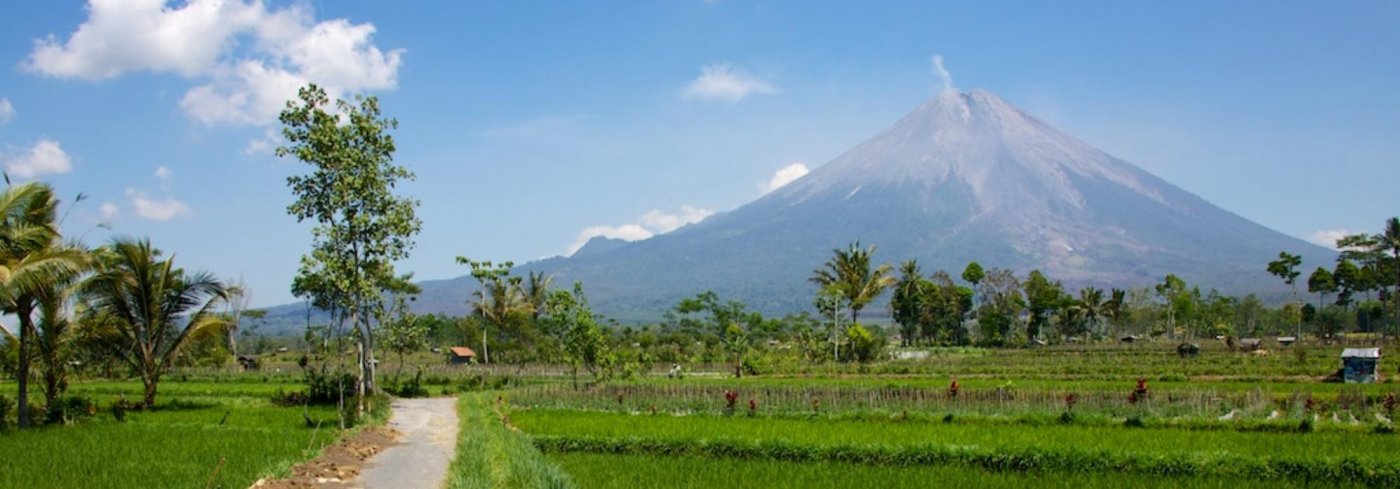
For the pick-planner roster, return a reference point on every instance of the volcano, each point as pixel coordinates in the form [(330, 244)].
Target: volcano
[(964, 177)]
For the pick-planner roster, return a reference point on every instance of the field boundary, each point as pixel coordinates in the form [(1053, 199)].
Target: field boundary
[(999, 460)]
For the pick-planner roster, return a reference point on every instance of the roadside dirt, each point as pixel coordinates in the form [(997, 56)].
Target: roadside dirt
[(339, 464)]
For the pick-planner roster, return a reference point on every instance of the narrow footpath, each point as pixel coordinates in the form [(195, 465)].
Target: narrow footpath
[(426, 446)]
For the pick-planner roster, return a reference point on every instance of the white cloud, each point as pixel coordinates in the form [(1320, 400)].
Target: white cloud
[(1329, 237), (7, 111), (943, 75), (652, 223), (265, 144), (662, 223), (625, 232), (163, 174), (726, 83), (108, 211), (248, 58), (784, 176), (156, 209), (44, 158)]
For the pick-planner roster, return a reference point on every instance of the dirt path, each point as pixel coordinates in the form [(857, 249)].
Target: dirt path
[(427, 443)]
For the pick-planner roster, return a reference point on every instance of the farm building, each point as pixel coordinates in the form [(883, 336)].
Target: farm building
[(460, 354), (1359, 365), (1249, 344), (249, 362)]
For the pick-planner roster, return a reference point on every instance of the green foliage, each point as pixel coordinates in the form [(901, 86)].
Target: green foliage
[(360, 228), (850, 272), (149, 306), (864, 345), (491, 454), (973, 274), (567, 315), (329, 388), (1001, 303)]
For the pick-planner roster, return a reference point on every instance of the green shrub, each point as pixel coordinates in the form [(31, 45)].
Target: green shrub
[(6, 406)]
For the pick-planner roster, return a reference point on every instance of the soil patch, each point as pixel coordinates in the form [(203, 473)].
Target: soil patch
[(339, 464)]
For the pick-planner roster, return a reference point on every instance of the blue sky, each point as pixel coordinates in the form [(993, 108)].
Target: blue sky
[(532, 125)]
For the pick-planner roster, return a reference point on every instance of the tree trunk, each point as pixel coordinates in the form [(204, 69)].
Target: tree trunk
[(232, 337), (150, 381), (22, 370), (52, 390)]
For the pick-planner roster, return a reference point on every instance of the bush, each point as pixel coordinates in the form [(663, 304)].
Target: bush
[(1306, 426), (71, 408), (412, 388), (329, 388), (6, 406)]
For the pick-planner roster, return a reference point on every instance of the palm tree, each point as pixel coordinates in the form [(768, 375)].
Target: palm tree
[(536, 291), (30, 258), (850, 271), (1092, 304), (53, 339), (907, 304), (498, 303), (152, 305), (1113, 308)]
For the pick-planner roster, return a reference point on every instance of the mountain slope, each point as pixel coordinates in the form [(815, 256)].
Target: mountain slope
[(963, 177)]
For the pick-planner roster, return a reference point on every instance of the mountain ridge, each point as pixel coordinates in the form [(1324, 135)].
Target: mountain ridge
[(963, 177)]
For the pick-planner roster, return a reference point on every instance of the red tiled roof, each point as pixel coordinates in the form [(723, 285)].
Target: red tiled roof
[(462, 351)]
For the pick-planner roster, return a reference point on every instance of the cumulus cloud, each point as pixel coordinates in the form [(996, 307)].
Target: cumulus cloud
[(45, 157), (156, 209), (725, 83), (7, 111), (943, 75), (163, 174), (249, 59), (652, 223), (1329, 237), (783, 176), (662, 223), (108, 211)]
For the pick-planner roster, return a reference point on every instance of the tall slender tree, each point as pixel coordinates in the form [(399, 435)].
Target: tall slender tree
[(1092, 302), (361, 228), (907, 303), (1286, 268), (851, 271), (499, 301), (974, 274), (537, 286), (54, 335)]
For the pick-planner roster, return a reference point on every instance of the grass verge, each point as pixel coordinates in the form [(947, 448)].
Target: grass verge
[(492, 454)]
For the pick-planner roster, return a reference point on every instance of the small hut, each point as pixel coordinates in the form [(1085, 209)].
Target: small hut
[(249, 362), (1287, 340), (1188, 350), (1249, 344), (458, 355), (1359, 365)]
